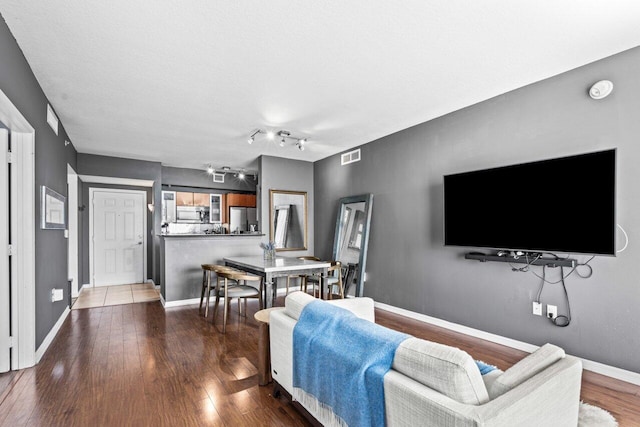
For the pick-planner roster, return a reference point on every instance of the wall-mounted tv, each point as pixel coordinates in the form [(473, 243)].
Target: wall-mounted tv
[(562, 205)]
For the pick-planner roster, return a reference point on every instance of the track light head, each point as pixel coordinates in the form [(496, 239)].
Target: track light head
[(282, 136)]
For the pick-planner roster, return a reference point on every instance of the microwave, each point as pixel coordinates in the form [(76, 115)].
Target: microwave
[(192, 214)]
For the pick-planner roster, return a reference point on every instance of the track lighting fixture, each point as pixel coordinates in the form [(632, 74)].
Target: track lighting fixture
[(220, 173), (282, 135)]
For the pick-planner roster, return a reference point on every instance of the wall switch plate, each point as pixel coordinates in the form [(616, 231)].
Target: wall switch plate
[(552, 311), (537, 308), (56, 295)]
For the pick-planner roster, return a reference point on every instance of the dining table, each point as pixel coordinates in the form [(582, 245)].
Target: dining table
[(270, 269)]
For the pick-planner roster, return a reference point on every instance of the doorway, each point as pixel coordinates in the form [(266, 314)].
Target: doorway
[(5, 265), (118, 244), (17, 207), (72, 200)]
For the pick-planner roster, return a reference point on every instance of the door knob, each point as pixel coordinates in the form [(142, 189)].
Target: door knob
[(139, 243)]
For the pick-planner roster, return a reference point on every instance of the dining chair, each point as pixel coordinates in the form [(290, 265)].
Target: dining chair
[(302, 277), (207, 270), (229, 287), (333, 278)]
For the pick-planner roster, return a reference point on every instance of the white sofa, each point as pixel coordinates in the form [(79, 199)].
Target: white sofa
[(431, 384)]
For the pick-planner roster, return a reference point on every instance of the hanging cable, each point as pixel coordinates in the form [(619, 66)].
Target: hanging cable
[(561, 320), (626, 243)]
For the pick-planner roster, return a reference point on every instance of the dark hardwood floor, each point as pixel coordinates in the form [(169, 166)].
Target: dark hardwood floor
[(141, 365)]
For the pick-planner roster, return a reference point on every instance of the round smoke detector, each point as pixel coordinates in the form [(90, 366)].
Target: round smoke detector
[(601, 89)]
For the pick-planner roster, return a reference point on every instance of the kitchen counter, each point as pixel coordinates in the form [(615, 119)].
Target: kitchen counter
[(212, 235), (181, 257)]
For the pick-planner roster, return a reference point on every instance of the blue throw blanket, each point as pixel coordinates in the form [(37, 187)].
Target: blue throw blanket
[(341, 360)]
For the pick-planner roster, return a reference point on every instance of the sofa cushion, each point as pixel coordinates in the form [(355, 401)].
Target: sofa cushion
[(534, 363), (445, 369)]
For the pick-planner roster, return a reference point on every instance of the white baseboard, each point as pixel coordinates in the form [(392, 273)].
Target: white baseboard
[(86, 285), (169, 304), (51, 335), (589, 365)]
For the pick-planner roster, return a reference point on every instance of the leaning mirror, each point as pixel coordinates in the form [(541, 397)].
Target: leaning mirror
[(351, 240), (288, 220)]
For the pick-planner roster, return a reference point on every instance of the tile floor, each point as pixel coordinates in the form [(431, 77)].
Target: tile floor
[(101, 296)]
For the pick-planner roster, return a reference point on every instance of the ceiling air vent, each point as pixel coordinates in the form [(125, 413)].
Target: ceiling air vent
[(218, 177), (350, 157)]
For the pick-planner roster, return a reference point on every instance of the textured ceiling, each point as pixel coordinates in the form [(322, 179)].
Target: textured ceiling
[(185, 82)]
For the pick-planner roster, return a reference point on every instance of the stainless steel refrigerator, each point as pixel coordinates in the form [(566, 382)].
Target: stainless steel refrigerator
[(240, 219)]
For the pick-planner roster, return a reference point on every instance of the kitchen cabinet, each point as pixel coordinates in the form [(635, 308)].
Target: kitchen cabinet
[(215, 208), (192, 199), (201, 199), (184, 199), (168, 206), (237, 200)]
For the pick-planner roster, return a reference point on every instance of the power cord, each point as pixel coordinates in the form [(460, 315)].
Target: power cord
[(562, 320)]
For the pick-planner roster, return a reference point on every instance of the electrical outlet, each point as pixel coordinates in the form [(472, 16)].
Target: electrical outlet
[(537, 308), (56, 295), (552, 311)]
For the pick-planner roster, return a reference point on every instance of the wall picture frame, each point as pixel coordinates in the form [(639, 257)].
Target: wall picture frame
[(52, 209)]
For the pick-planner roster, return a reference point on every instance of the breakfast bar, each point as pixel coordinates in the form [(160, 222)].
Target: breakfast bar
[(181, 257)]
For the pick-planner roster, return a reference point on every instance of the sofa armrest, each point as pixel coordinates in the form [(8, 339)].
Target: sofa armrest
[(281, 347), (362, 307), (549, 398), (526, 368)]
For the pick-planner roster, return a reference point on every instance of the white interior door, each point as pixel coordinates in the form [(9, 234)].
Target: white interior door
[(5, 307), (118, 236)]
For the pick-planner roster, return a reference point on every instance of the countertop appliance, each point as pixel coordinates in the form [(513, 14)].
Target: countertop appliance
[(192, 214)]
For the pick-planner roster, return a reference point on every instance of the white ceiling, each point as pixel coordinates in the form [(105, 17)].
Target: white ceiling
[(185, 82)]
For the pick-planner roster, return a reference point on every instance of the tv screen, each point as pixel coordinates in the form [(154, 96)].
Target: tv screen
[(560, 205)]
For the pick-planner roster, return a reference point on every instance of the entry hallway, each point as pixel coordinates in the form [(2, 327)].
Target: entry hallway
[(142, 365)]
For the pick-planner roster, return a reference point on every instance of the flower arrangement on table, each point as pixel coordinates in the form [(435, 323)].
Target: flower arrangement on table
[(269, 250)]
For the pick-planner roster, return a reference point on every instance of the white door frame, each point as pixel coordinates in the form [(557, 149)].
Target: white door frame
[(23, 301), (93, 190), (72, 241)]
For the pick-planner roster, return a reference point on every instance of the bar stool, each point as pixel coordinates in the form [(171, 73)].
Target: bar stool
[(231, 288), (207, 269)]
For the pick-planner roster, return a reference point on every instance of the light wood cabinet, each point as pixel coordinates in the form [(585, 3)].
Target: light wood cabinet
[(239, 200), (184, 199), (192, 199), (201, 199)]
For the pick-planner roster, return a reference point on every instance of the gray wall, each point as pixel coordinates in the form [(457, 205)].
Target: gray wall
[(276, 173), (197, 178), (408, 266), (51, 157)]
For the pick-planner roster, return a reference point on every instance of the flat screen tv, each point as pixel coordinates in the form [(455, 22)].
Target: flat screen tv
[(562, 205)]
